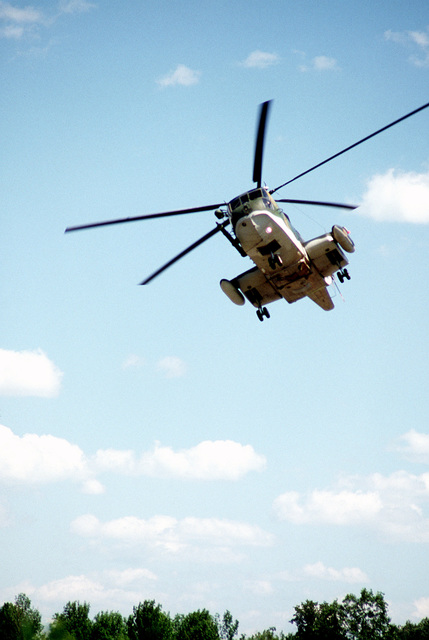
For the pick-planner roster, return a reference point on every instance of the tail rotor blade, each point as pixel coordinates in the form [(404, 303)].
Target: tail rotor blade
[(259, 146)]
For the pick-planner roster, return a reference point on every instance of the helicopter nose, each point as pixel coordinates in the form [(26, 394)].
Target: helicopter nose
[(247, 233)]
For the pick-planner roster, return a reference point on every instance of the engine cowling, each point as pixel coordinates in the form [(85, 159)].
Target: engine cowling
[(232, 292), (342, 236)]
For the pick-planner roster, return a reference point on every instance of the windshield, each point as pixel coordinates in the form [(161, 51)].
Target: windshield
[(250, 196)]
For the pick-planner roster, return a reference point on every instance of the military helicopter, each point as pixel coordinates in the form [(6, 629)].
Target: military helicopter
[(285, 266)]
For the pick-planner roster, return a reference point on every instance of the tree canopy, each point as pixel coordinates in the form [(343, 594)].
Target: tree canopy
[(362, 617)]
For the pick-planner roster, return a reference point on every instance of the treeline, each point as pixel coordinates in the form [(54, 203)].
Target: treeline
[(363, 617)]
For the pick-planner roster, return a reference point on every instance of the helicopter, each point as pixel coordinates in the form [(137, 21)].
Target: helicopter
[(285, 265)]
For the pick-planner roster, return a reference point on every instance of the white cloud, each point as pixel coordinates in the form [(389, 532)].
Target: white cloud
[(420, 38), (132, 362), (101, 589), (397, 197), (259, 587), (324, 63), (171, 534), (417, 40), (396, 36), (71, 588), (92, 487), (348, 574), (328, 507), (422, 608), (395, 505), (120, 461), (33, 459), (26, 15), (319, 63), (181, 76), (28, 373), (130, 576), (12, 31), (168, 366), (76, 6), (16, 22), (172, 367), (208, 460), (260, 60), (414, 446), (108, 589)]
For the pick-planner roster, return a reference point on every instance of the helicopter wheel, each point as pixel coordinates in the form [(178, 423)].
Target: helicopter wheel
[(261, 312), (341, 277), (275, 260), (346, 274)]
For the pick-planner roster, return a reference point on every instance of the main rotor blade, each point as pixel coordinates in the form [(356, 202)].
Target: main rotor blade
[(183, 253), (259, 146), (320, 203), (149, 216), (316, 166)]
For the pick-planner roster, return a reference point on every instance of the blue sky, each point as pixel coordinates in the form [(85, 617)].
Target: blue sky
[(159, 442)]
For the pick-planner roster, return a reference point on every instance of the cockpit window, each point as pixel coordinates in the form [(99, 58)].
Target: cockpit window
[(253, 195), (244, 203)]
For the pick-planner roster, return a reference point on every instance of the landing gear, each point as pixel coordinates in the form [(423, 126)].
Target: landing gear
[(343, 274), (261, 312), (274, 260)]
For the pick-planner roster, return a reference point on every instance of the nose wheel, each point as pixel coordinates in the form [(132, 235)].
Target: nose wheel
[(262, 312)]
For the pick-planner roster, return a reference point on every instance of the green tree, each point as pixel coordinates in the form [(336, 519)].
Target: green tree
[(109, 625), (366, 617), (149, 622), (31, 620), (74, 620), (227, 627), (363, 617), (57, 631), (199, 625), (319, 621), (10, 627), (19, 621), (305, 619), (411, 631)]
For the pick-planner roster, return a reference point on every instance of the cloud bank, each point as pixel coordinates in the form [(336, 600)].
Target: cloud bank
[(328, 507), (181, 76), (393, 505), (172, 534), (33, 460), (209, 460), (318, 63), (17, 23), (260, 60), (397, 197), (28, 373), (418, 41), (37, 459)]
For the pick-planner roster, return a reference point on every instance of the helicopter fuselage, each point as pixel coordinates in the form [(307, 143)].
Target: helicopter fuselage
[(286, 266)]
